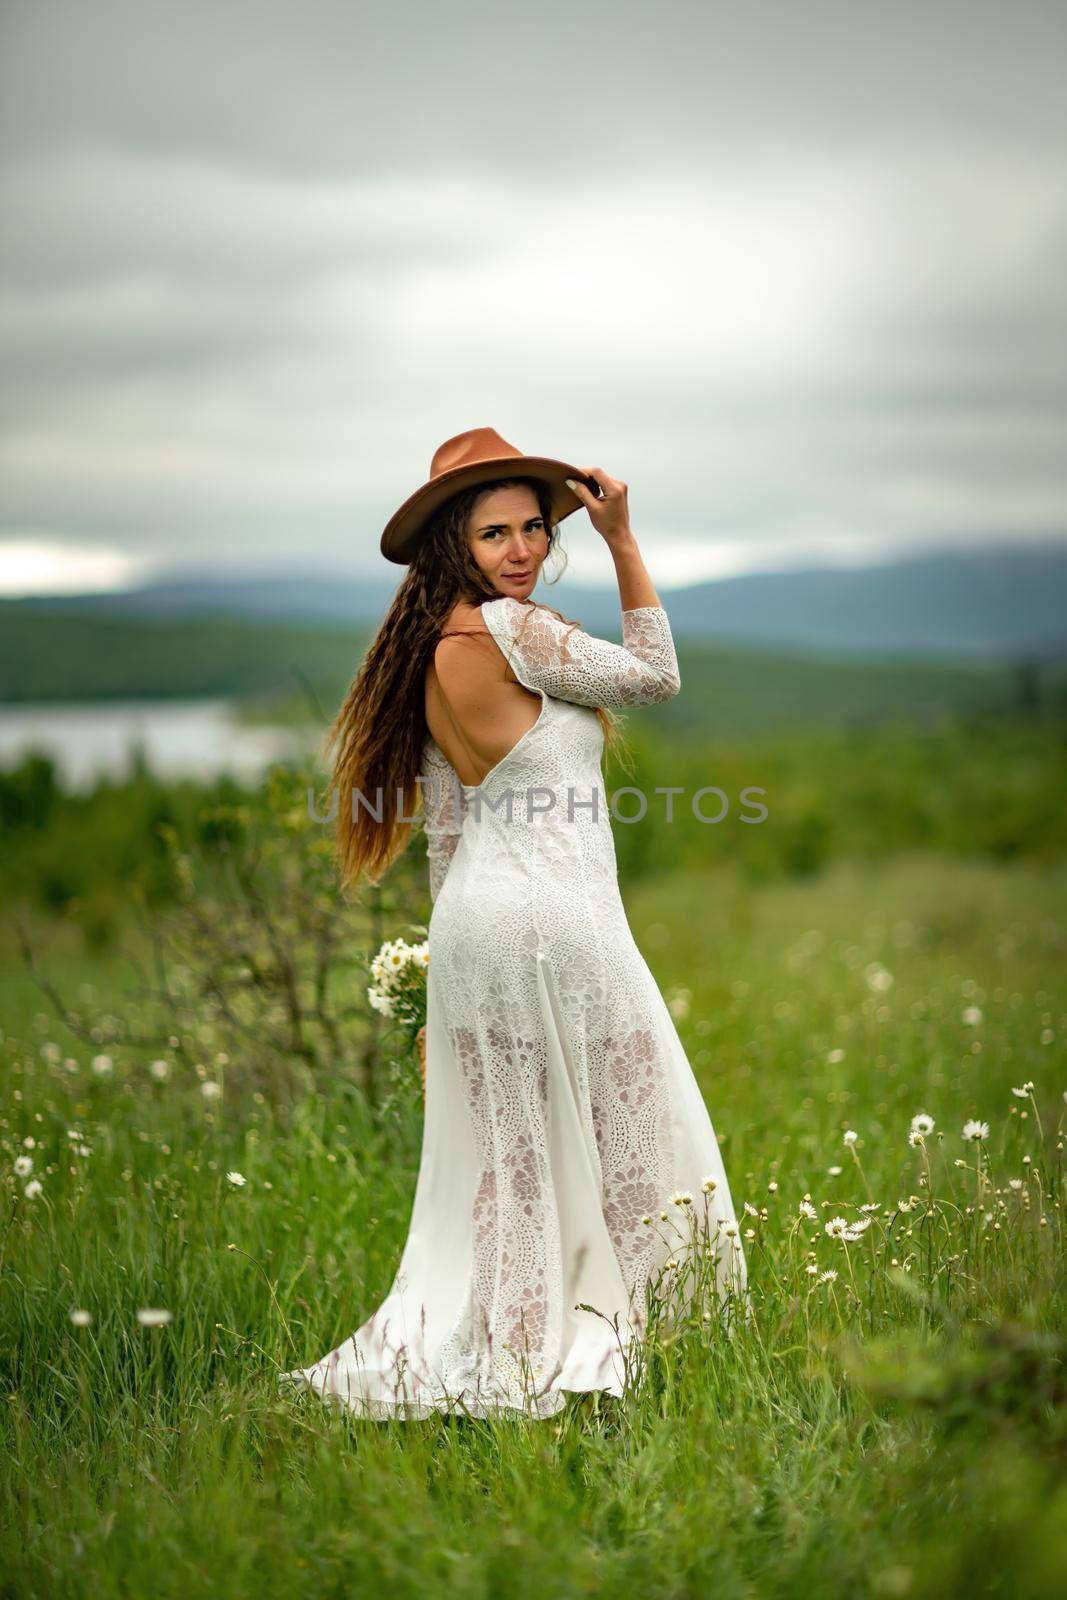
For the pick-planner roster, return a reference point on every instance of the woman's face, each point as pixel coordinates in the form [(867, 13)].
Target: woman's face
[(508, 539)]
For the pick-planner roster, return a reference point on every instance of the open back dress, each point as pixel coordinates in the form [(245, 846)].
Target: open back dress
[(561, 1112)]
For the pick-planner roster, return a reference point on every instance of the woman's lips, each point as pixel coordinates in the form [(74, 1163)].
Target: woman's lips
[(517, 574)]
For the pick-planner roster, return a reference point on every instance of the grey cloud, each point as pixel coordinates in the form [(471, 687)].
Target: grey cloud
[(383, 87), (238, 247)]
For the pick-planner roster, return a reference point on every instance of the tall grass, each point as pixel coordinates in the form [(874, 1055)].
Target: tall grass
[(890, 1421)]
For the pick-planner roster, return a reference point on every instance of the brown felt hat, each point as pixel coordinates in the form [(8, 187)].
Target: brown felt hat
[(477, 456)]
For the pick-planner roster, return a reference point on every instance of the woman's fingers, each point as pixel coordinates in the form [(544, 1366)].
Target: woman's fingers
[(609, 487), (609, 511)]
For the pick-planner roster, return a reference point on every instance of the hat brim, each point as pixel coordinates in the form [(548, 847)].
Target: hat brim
[(404, 529)]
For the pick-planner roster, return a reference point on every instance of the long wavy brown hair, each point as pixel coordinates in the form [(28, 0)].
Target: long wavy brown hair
[(375, 744)]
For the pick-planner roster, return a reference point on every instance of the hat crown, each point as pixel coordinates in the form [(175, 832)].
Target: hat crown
[(467, 449), (477, 457)]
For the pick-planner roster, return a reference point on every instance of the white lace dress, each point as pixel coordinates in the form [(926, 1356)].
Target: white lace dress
[(561, 1109)]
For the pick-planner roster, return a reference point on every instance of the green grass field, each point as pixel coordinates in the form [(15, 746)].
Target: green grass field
[(897, 1429)]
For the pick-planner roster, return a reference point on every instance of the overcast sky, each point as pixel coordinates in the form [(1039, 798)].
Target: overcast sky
[(795, 271)]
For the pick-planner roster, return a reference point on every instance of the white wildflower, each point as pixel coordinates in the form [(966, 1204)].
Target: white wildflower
[(837, 1227), (154, 1318), (380, 1002), (159, 1069), (828, 1276), (23, 1166), (102, 1065), (389, 968), (809, 1211), (850, 1136), (975, 1130), (210, 1089), (33, 1189), (971, 1016), (710, 1184), (922, 1122), (236, 1178), (81, 1319), (1025, 1092)]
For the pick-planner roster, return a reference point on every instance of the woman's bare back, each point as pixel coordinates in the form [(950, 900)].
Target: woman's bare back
[(476, 710)]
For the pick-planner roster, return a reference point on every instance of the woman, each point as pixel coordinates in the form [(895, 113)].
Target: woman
[(561, 1113)]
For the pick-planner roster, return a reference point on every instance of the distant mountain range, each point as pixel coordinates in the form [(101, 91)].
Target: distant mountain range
[(994, 602)]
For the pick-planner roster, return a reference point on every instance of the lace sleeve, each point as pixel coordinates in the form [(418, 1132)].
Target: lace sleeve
[(444, 805), (570, 664)]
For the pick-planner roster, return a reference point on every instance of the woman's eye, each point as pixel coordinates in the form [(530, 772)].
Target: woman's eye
[(536, 527)]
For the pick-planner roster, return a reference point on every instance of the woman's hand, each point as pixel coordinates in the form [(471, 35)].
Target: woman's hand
[(610, 515)]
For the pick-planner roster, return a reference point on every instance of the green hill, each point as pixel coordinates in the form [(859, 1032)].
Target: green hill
[(287, 672)]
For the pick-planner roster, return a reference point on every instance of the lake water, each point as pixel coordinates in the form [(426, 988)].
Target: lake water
[(179, 738)]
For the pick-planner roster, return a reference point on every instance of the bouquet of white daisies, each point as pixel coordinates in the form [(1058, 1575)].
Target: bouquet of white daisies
[(399, 987)]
